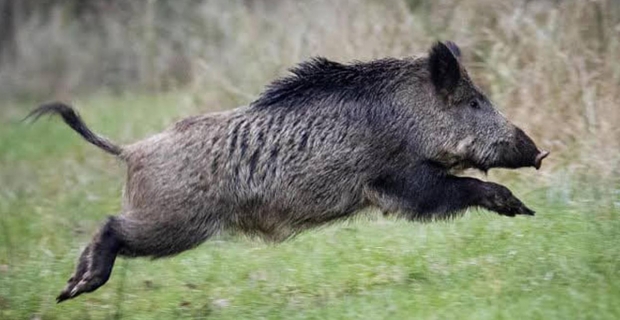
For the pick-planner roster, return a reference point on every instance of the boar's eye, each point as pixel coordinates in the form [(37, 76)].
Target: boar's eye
[(474, 104)]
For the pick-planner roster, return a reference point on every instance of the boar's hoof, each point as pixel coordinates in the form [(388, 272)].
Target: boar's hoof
[(512, 206), (87, 283), (505, 203)]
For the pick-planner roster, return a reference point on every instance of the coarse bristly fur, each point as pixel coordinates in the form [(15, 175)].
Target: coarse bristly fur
[(317, 146)]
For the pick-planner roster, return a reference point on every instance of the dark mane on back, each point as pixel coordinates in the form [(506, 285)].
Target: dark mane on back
[(319, 78)]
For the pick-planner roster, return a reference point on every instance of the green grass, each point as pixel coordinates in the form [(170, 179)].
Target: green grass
[(55, 189)]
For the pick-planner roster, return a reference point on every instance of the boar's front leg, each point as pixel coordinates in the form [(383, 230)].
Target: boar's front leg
[(495, 197), (425, 192)]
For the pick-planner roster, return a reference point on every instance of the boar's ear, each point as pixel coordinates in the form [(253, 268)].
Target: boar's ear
[(444, 66)]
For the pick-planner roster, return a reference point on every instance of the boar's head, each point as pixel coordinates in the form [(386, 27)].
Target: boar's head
[(461, 127)]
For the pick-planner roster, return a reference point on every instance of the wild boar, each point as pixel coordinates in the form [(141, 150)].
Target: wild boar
[(317, 146)]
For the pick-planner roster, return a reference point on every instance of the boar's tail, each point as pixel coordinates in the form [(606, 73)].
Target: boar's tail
[(74, 121)]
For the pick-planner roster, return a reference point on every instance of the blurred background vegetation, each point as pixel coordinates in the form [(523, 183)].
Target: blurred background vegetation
[(133, 67)]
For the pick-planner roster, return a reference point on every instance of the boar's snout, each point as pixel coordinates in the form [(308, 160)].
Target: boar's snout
[(539, 158), (527, 152), (522, 152)]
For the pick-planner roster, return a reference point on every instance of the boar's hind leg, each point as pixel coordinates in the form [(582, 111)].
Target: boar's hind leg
[(132, 235), (95, 263), (146, 234)]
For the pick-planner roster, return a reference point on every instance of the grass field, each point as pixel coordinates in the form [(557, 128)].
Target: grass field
[(55, 189)]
